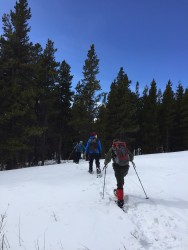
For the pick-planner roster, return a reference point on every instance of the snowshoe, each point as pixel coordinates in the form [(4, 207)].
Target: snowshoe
[(99, 174), (122, 206), (120, 203), (120, 198)]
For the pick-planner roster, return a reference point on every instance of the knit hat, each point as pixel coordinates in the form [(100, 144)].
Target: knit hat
[(94, 134)]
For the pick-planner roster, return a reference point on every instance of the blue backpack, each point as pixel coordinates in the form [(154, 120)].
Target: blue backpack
[(79, 147)]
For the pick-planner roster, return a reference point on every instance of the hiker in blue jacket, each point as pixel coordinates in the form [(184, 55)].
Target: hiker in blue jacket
[(93, 150)]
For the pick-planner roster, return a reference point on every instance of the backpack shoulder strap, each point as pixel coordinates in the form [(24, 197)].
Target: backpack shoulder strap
[(118, 143)]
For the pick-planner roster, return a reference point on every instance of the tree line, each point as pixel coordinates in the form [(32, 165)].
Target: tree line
[(41, 116)]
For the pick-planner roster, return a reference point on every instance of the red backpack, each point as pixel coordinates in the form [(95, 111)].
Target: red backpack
[(121, 156)]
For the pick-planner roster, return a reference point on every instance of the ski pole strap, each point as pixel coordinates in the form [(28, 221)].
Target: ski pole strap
[(105, 166), (133, 164)]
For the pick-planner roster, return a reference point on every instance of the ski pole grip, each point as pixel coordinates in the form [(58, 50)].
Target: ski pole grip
[(105, 166), (133, 164)]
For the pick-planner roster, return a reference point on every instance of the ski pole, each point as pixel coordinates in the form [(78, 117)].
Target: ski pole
[(134, 166), (71, 153), (104, 179)]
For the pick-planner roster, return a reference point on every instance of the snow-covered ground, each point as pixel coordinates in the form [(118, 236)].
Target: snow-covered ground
[(59, 207)]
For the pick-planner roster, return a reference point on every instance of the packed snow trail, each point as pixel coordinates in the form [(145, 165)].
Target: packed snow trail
[(62, 206)]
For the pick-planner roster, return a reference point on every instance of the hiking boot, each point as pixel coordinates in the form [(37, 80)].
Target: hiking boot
[(90, 171), (98, 171), (120, 203)]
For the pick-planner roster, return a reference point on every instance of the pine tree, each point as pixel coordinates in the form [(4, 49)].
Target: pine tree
[(38, 130), (112, 123), (62, 108), (17, 115), (178, 131), (86, 97), (90, 83), (168, 116), (48, 76), (143, 100), (184, 120), (80, 115), (150, 126), (120, 117), (100, 122), (138, 107)]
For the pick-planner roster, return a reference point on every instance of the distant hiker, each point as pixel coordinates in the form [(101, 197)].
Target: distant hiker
[(93, 150), (79, 149), (82, 155), (73, 151), (121, 156)]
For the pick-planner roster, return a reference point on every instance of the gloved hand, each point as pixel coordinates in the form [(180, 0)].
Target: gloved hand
[(133, 164), (105, 166)]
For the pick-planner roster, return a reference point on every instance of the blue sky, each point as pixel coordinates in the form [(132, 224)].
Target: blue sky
[(148, 38)]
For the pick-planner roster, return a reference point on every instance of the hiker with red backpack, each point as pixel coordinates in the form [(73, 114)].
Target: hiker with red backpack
[(93, 150), (121, 156)]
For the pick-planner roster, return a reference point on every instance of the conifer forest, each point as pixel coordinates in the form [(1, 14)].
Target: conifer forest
[(42, 116)]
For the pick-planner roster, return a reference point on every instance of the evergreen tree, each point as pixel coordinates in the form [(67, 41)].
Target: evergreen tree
[(150, 126), (184, 120), (18, 95), (112, 123), (85, 97), (178, 131), (80, 116), (101, 121), (90, 82), (160, 120), (120, 116), (62, 111), (48, 76), (143, 100), (168, 116), (138, 108)]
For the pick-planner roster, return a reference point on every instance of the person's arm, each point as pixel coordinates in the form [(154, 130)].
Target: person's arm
[(131, 156), (87, 146), (83, 148), (108, 157), (99, 146)]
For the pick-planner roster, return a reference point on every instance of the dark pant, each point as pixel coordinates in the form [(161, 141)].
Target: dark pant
[(120, 173), (91, 159), (77, 157)]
